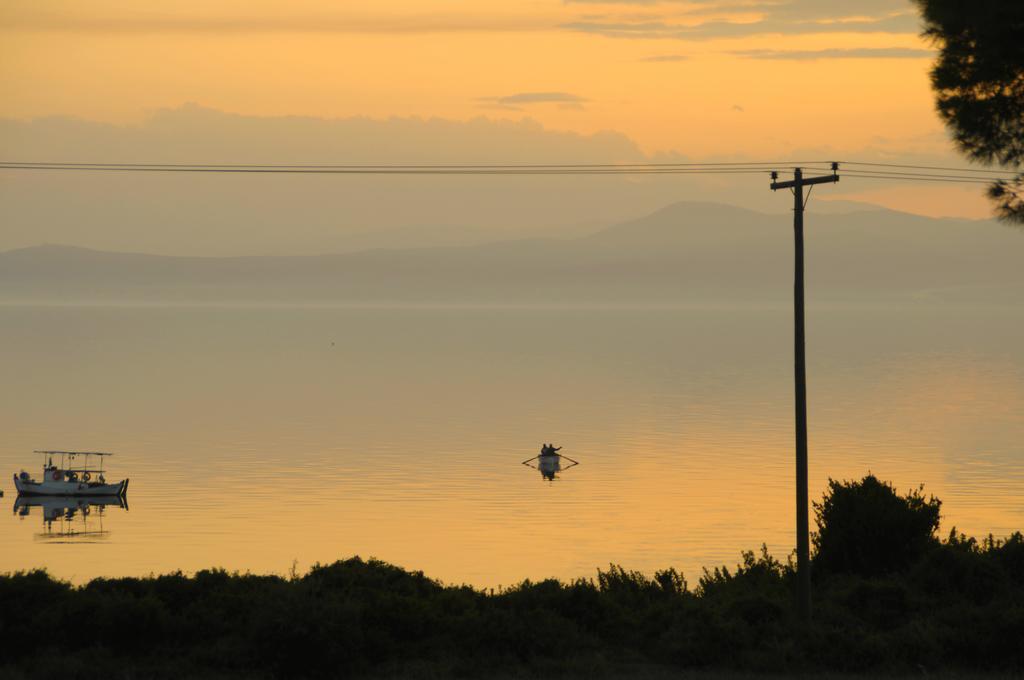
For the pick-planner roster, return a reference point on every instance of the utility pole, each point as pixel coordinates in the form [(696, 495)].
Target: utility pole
[(803, 545)]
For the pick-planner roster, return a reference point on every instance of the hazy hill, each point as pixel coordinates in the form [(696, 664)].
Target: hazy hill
[(696, 252)]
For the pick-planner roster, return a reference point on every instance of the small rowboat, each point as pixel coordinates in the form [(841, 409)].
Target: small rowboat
[(69, 478), (550, 463)]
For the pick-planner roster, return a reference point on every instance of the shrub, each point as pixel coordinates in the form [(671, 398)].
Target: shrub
[(866, 528), (889, 598)]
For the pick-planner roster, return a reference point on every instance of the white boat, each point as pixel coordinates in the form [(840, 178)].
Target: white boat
[(70, 478)]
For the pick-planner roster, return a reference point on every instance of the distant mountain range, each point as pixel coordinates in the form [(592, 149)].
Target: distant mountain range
[(685, 253)]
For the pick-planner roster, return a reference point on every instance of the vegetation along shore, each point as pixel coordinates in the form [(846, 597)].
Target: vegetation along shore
[(890, 597)]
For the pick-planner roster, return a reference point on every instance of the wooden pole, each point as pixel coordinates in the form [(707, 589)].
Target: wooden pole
[(803, 539), (803, 549)]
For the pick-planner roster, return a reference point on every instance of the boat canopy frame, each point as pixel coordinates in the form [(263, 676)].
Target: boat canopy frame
[(67, 458)]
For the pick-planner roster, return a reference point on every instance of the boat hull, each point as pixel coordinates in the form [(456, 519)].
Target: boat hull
[(64, 488)]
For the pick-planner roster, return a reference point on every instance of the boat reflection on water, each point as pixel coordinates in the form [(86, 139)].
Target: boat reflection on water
[(76, 519), (550, 465)]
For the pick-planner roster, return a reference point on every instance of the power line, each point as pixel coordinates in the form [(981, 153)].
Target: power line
[(860, 169), (577, 169), (921, 167), (923, 178), (400, 171), (868, 173), (386, 166)]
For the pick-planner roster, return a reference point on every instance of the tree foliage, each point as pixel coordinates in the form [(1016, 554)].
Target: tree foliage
[(866, 528), (979, 85)]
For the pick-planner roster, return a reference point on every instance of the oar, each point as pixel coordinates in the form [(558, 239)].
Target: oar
[(560, 455)]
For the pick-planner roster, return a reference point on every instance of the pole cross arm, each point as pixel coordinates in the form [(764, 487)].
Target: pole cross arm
[(824, 179)]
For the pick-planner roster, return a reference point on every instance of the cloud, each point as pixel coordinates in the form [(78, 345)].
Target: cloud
[(711, 30), (705, 20), (738, 108), (98, 21), (854, 53), (219, 214), (661, 58), (701, 19), (813, 9), (818, 10), (516, 101), (204, 214)]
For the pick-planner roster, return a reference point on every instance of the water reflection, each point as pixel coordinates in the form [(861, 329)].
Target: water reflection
[(550, 464), (76, 519), (394, 435)]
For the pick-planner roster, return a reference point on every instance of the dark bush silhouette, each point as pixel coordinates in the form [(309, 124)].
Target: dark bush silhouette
[(866, 528), (937, 606)]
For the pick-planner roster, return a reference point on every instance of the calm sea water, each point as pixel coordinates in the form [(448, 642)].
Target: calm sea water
[(260, 438)]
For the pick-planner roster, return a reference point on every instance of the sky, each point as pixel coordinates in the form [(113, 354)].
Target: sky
[(701, 78), (672, 79)]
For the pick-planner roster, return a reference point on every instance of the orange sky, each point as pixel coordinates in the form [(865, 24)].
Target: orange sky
[(704, 78), (114, 61)]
